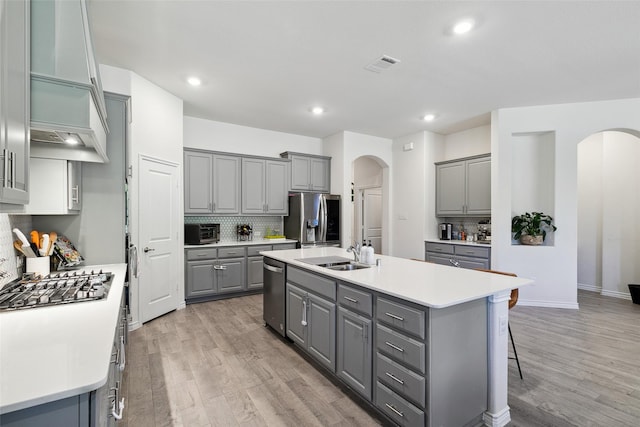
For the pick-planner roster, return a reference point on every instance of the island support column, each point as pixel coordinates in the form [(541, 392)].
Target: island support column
[(497, 413)]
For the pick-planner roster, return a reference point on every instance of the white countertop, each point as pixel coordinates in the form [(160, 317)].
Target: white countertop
[(459, 242), (224, 243), (50, 353), (427, 284)]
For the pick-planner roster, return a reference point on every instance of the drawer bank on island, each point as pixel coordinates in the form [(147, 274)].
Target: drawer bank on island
[(423, 344)]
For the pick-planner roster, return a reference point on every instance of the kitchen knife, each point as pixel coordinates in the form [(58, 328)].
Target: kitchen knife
[(28, 252), (22, 237)]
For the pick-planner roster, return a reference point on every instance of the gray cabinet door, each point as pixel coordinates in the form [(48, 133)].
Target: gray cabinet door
[(277, 187), (230, 275), (198, 183), (479, 186), (320, 174), (255, 272), (450, 189), (226, 184), (200, 279), (322, 331), (355, 351), (297, 315), (253, 186), (300, 171), (14, 101), (473, 263)]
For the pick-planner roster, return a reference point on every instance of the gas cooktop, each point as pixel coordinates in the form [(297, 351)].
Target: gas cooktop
[(55, 288)]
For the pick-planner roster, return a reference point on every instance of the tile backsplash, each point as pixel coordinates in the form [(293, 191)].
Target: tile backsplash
[(9, 260), (259, 224), (469, 224)]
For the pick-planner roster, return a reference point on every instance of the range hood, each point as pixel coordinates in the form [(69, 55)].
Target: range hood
[(60, 111)]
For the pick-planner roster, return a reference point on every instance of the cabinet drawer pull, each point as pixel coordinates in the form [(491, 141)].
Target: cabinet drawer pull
[(398, 413), (395, 347), (201, 255), (355, 301), (454, 262), (393, 377), (393, 316)]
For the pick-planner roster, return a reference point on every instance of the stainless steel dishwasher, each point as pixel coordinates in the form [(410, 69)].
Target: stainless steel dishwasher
[(274, 294)]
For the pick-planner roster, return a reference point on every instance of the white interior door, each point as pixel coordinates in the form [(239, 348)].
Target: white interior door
[(159, 199), (372, 217)]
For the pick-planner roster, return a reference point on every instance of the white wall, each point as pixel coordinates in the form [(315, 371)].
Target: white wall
[(218, 136), (413, 214), (590, 177), (156, 130), (366, 173), (344, 148), (470, 142), (554, 268)]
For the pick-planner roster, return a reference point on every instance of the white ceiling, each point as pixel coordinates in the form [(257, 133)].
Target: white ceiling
[(265, 63)]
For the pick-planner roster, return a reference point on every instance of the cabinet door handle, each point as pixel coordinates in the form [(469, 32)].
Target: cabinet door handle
[(454, 262), (117, 415), (13, 169), (355, 301), (304, 313), (123, 361), (210, 206), (393, 408), (75, 194), (395, 347), (393, 316), (5, 171), (393, 377)]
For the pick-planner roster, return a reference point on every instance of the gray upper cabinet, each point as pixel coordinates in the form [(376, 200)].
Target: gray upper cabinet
[(198, 182), (309, 172), (14, 101), (211, 183), (226, 184), (264, 186), (463, 187)]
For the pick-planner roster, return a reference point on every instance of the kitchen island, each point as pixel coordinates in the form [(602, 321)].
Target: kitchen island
[(422, 343), (58, 363)]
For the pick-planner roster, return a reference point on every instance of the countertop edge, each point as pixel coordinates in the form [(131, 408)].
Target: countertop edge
[(226, 243)]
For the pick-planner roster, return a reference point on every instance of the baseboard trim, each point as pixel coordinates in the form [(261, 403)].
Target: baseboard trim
[(134, 325), (616, 294), (590, 288), (497, 420), (548, 304), (181, 306)]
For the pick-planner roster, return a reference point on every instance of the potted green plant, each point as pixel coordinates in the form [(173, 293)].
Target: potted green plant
[(531, 227)]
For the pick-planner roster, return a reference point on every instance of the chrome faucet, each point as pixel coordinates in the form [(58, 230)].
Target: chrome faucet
[(356, 251)]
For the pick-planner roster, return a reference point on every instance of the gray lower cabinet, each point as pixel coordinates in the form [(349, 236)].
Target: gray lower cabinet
[(311, 323), (354, 351), (429, 366), (462, 255), (211, 273)]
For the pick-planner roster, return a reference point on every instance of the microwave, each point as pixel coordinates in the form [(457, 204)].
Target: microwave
[(201, 234)]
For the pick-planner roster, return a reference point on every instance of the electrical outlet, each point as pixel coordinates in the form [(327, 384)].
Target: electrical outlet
[(503, 325)]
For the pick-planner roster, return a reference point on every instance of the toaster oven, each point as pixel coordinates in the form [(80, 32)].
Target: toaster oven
[(201, 234)]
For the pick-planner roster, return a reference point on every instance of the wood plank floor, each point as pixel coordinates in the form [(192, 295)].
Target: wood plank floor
[(215, 364)]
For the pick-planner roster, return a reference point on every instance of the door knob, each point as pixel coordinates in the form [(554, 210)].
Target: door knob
[(146, 249)]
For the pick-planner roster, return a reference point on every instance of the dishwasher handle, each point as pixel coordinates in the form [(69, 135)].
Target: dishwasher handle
[(272, 268)]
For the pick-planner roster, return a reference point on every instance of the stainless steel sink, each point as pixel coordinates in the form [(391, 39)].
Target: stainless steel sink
[(347, 267)]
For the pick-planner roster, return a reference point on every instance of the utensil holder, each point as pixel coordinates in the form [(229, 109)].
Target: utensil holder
[(40, 265)]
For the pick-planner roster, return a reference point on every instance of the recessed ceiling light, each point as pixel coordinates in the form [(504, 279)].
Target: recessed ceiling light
[(318, 110), (71, 140), (463, 27), (428, 117), (194, 81)]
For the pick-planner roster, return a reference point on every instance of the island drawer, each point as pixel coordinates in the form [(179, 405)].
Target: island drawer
[(401, 316), (284, 246), (402, 348), (398, 409), (401, 380), (316, 284), (355, 299), (234, 252), (444, 248), (472, 251), (255, 250), (195, 254)]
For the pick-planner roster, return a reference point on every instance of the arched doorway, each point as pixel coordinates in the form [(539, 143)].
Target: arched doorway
[(368, 201), (609, 212)]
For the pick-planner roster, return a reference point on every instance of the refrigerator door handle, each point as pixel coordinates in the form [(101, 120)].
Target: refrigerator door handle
[(323, 227)]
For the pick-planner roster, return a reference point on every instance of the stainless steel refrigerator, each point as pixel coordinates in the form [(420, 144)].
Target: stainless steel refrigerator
[(314, 219)]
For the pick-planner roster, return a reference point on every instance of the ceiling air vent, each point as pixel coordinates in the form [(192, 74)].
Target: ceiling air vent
[(382, 64)]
